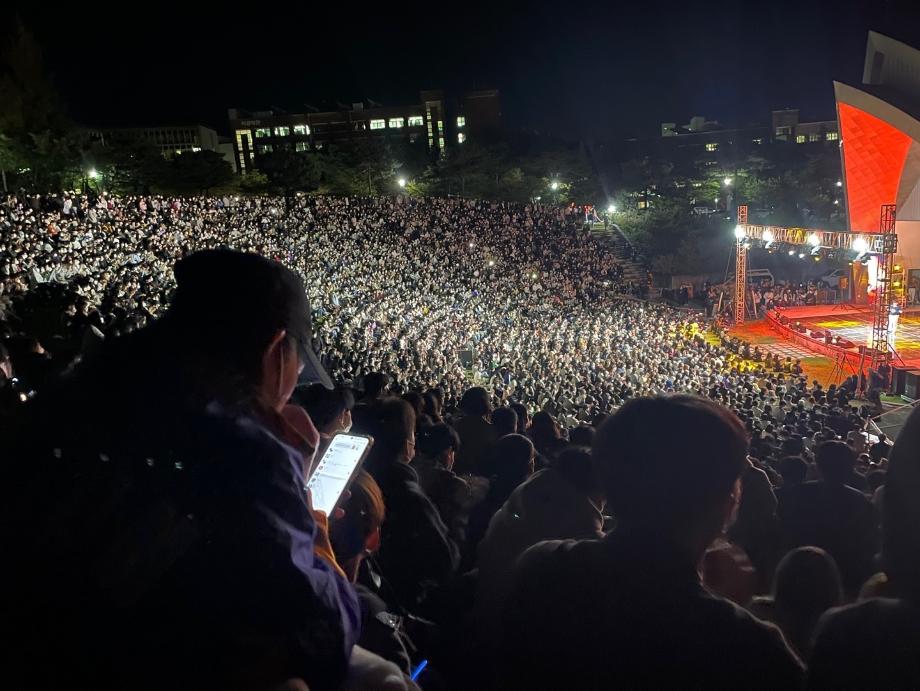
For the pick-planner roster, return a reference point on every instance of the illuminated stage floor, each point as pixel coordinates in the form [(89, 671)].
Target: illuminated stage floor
[(857, 326)]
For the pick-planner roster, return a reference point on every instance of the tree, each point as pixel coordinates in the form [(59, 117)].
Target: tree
[(198, 171), (289, 172), (129, 164)]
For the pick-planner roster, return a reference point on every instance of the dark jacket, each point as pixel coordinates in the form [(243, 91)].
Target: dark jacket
[(416, 552), (476, 439), (618, 613), (182, 557), (869, 645), (836, 518)]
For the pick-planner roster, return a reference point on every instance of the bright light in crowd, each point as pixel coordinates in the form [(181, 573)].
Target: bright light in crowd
[(814, 240), (860, 245), (739, 232), (554, 185), (727, 182), (767, 236), (491, 263), (791, 252), (402, 182), (840, 183), (471, 245), (801, 255), (533, 276), (612, 209), (93, 174)]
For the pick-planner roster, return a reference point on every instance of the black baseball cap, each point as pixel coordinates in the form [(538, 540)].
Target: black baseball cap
[(223, 291)]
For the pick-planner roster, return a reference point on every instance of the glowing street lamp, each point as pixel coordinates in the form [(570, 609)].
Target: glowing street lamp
[(401, 182), (93, 174), (554, 185), (612, 209), (727, 182)]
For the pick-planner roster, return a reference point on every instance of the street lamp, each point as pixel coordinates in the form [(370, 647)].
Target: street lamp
[(612, 209), (401, 182), (840, 183), (727, 182), (554, 185), (93, 174)]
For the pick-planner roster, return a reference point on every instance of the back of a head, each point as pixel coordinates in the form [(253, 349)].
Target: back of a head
[(543, 427), (434, 440), (475, 402), (513, 460), (901, 511), (667, 461), (505, 421), (323, 405), (807, 582), (522, 416), (574, 464), (415, 399), (375, 384), (835, 461), (793, 470), (391, 422), (583, 435)]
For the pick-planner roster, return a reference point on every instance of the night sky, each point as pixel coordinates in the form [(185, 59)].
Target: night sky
[(600, 71)]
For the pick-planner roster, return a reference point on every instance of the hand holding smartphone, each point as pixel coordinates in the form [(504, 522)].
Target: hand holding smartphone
[(336, 469)]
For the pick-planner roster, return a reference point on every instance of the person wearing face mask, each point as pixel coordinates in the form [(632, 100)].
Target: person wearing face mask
[(163, 534)]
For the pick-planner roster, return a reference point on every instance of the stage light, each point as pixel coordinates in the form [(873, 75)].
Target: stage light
[(768, 236), (791, 252), (860, 245), (739, 232), (801, 255), (814, 240), (817, 259), (840, 183), (836, 202), (897, 267), (401, 182)]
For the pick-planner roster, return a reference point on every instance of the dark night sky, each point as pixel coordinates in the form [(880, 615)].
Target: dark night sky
[(601, 70)]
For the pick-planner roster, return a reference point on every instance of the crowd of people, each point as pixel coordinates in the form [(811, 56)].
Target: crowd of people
[(568, 487)]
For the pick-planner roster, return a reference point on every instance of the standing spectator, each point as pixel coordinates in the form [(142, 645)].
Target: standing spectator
[(477, 435)]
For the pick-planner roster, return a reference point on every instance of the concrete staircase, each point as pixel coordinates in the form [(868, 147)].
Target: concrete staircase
[(613, 237)]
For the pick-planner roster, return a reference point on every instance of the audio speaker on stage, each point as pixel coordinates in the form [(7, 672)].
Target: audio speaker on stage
[(912, 383), (898, 379)]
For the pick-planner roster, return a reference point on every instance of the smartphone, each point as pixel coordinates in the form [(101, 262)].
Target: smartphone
[(337, 467)]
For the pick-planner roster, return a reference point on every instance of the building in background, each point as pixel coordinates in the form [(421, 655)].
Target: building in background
[(434, 122), (172, 139)]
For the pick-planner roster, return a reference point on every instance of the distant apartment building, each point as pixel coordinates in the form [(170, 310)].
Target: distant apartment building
[(435, 122)]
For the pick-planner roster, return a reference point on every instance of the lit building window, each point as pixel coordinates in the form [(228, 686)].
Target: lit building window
[(800, 139), (832, 136), (712, 146), (196, 149), (263, 132), (461, 121), (461, 137), (302, 129), (758, 140), (378, 124), (282, 131), (416, 121), (264, 148), (301, 146), (397, 123), (814, 137), (440, 127), (441, 143)]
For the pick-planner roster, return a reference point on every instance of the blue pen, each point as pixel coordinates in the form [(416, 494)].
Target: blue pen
[(418, 670)]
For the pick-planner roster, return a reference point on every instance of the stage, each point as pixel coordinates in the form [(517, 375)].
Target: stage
[(851, 323)]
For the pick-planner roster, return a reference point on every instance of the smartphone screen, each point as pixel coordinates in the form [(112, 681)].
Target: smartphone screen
[(336, 468)]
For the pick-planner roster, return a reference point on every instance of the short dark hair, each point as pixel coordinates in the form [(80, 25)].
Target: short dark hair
[(665, 460), (512, 456), (583, 435), (475, 402), (505, 419), (836, 460), (793, 470), (323, 405), (436, 439), (574, 464)]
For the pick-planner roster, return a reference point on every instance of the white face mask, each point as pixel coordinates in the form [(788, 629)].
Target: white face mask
[(346, 429)]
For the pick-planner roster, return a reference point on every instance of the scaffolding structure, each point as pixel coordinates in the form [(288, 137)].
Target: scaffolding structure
[(741, 266), (890, 284)]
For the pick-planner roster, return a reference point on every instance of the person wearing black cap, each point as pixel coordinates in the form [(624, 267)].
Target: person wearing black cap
[(162, 532)]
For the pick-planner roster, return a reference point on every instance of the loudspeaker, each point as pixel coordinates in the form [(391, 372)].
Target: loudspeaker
[(898, 379), (912, 383)]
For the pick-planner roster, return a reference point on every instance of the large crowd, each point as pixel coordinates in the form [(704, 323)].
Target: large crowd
[(519, 389)]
